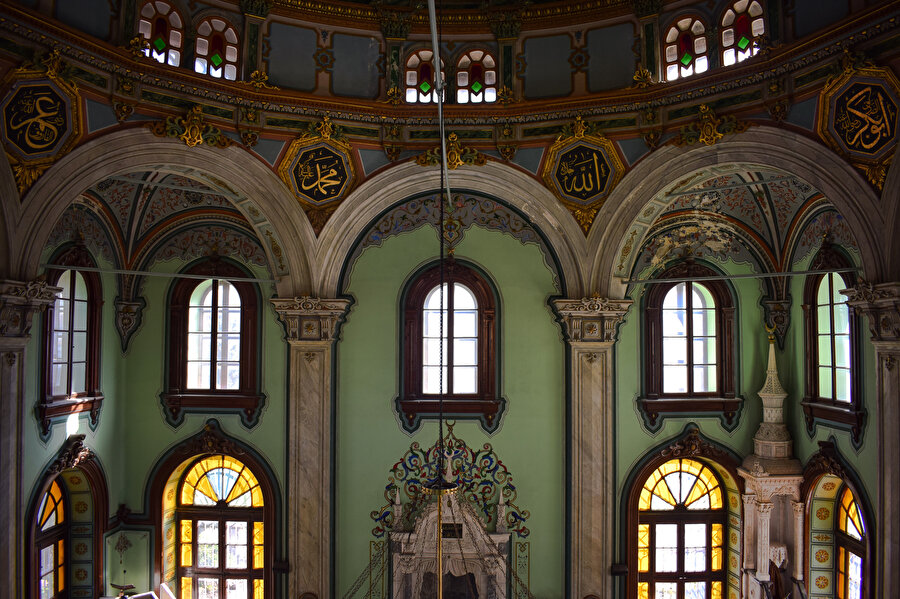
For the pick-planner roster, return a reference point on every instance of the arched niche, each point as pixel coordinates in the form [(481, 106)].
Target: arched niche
[(280, 224), (774, 149)]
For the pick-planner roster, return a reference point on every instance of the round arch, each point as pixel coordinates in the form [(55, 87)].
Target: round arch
[(401, 182), (231, 169), (9, 205), (775, 149), (892, 220)]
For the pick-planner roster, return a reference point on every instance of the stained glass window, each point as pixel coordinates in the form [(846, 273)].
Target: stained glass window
[(50, 540), (161, 25), (742, 24), (221, 531), (833, 339), (476, 78), (419, 79), (851, 547), (681, 532), (214, 336), (685, 49), (216, 49)]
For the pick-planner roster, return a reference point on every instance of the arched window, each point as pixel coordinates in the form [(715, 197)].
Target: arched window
[(162, 26), (51, 538), (213, 341), (221, 531), (832, 391), (689, 362), (216, 49), (685, 49), (72, 341), (461, 359), (680, 532), (742, 24), (420, 79), (476, 77), (851, 547)]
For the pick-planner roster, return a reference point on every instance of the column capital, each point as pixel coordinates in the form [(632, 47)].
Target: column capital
[(763, 507), (880, 303), (309, 318), (799, 508), (18, 303), (591, 318)]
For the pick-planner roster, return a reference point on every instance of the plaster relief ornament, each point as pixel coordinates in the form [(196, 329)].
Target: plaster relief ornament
[(859, 118), (582, 168), (40, 118)]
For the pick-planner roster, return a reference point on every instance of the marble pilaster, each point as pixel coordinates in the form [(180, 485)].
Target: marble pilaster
[(881, 305), (590, 326), (799, 509), (763, 517), (311, 331), (19, 302)]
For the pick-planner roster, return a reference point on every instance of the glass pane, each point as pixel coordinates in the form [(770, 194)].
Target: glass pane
[(465, 379), (80, 323), (465, 352), (825, 350), (198, 375), (258, 589), (825, 389), (236, 588), (78, 376), (841, 319), (704, 379), (431, 379), (79, 346), (47, 589), (463, 298), (207, 588), (837, 283), (199, 319), (60, 379), (433, 323), (202, 294), (432, 352), (230, 320), (236, 532), (854, 576), (198, 346), (236, 556), (60, 347), (666, 590), (822, 293), (674, 350), (704, 350), (842, 384), (675, 379), (842, 351), (465, 323), (704, 323), (61, 314), (666, 547), (695, 547), (674, 323), (675, 298), (207, 544), (433, 301), (701, 297), (47, 561), (695, 590)]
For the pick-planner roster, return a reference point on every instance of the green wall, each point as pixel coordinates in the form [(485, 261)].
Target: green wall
[(531, 437)]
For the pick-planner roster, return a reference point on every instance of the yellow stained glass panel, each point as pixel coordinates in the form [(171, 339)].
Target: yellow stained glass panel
[(187, 556), (258, 548), (187, 531), (258, 589), (643, 547), (256, 497), (662, 491), (700, 479), (716, 590), (60, 578), (643, 590), (198, 479), (186, 587)]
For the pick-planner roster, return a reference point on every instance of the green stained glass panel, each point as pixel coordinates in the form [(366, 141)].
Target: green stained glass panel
[(159, 44), (477, 87), (743, 43), (216, 59), (425, 87), (686, 59)]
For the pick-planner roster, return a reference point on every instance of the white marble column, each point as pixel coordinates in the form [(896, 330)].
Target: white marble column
[(310, 325), (881, 305), (590, 328), (763, 515), (799, 509), (19, 302), (749, 532)]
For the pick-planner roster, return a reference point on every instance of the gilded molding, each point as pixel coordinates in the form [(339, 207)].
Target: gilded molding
[(709, 129), (191, 129), (457, 155), (308, 318), (591, 318)]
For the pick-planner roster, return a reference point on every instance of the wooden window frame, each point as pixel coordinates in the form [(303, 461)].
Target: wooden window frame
[(209, 39), (417, 69), (656, 404), (148, 52), (413, 404), (486, 86), (51, 408), (754, 40), (844, 415), (177, 398), (844, 541), (664, 44)]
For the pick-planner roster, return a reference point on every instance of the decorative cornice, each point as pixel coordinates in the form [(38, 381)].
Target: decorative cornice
[(824, 461), (257, 8), (591, 318), (72, 454), (881, 305), (457, 155), (308, 318), (211, 440), (18, 303), (191, 129), (710, 128), (693, 445)]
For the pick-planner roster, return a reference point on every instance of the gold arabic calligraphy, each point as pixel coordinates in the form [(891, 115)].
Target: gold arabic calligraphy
[(319, 173), (583, 173), (867, 118), (36, 120)]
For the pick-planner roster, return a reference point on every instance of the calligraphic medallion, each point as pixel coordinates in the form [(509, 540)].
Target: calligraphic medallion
[(859, 118), (582, 170), (40, 120), (318, 170)]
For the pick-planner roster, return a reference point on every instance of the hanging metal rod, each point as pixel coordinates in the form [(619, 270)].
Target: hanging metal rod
[(147, 273), (767, 275), (696, 190)]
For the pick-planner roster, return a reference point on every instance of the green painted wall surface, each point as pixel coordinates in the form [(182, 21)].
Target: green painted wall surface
[(530, 440)]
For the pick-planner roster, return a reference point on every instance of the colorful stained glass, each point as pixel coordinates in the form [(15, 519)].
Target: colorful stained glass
[(741, 24), (161, 25), (51, 511), (849, 519), (221, 478), (681, 482)]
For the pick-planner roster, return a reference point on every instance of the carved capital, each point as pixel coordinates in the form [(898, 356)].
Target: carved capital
[(591, 318), (128, 319), (881, 305), (763, 507), (309, 318), (18, 303)]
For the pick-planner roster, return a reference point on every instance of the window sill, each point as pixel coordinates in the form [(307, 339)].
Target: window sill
[(413, 409), (828, 412), (248, 405), (654, 411), (55, 408)]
